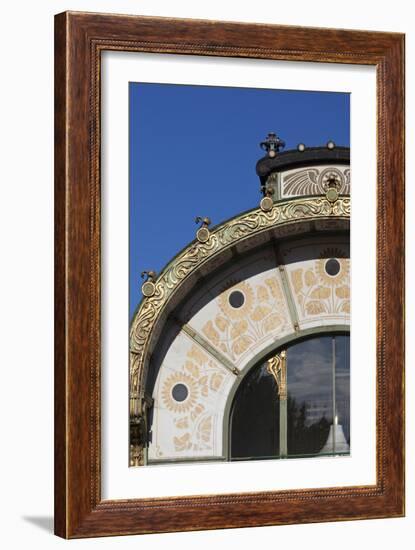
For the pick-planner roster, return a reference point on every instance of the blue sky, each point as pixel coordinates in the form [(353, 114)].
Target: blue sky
[(193, 151)]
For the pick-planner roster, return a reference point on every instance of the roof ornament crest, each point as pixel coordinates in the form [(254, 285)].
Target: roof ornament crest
[(272, 144)]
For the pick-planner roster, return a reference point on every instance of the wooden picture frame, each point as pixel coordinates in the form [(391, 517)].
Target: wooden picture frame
[(79, 40)]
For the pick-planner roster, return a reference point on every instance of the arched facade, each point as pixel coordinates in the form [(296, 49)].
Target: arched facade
[(236, 296)]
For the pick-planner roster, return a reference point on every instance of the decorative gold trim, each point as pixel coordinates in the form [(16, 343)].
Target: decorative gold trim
[(197, 253), (277, 366), (266, 204), (203, 233), (332, 194), (148, 288)]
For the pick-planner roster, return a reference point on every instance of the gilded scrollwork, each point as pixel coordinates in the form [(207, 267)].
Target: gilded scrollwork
[(277, 367)]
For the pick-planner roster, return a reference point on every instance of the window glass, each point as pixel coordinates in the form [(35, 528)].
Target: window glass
[(314, 419), (310, 404), (255, 417), (343, 386)]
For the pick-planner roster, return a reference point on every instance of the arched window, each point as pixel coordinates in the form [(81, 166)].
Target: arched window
[(296, 404)]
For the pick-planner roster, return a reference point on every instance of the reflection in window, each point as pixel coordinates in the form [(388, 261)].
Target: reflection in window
[(309, 406), (343, 384), (255, 417), (311, 418)]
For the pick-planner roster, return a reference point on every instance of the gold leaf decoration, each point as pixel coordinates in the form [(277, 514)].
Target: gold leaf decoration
[(274, 288), (260, 312), (204, 429), (241, 344), (221, 323), (343, 292), (168, 385), (209, 331), (340, 278), (314, 308), (216, 381), (321, 293), (204, 388), (262, 294), (196, 411), (197, 355), (272, 322), (310, 278), (192, 368), (183, 442), (239, 328), (240, 312), (346, 306), (192, 426), (182, 423), (297, 279)]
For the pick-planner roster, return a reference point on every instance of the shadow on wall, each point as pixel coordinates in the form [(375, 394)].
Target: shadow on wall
[(43, 522)]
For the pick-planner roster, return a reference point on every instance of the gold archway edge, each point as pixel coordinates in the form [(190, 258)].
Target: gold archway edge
[(197, 254)]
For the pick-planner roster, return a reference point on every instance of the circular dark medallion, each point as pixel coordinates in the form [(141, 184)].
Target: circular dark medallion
[(180, 392), (332, 267), (236, 299)]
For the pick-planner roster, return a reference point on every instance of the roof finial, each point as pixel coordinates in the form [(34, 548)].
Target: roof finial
[(272, 144)]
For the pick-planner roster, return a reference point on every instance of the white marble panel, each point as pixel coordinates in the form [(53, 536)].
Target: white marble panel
[(240, 333), (191, 427), (320, 299), (312, 180)]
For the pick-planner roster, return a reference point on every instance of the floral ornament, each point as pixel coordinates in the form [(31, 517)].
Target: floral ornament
[(260, 312), (167, 392), (248, 312), (343, 292), (237, 312), (204, 433), (183, 443), (339, 279), (210, 331), (196, 355), (216, 381), (274, 287), (182, 423), (242, 344), (273, 322), (324, 287)]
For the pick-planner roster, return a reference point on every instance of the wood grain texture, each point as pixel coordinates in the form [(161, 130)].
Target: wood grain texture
[(79, 40)]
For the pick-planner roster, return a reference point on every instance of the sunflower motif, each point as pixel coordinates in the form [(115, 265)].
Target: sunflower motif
[(167, 392), (248, 300), (340, 278)]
